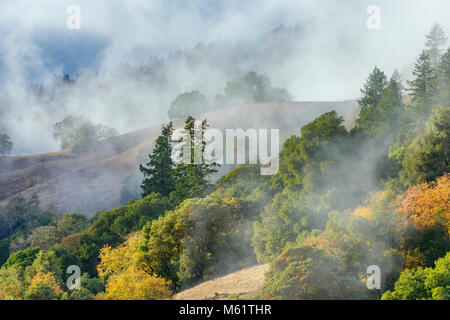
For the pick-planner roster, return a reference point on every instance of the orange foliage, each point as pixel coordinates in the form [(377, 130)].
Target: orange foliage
[(427, 204)]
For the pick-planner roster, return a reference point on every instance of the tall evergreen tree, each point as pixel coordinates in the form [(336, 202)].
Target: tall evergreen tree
[(443, 73), (372, 92), (423, 87), (435, 43), (193, 170), (390, 106), (160, 171)]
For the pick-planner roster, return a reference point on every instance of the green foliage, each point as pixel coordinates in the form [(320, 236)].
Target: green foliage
[(160, 172), (423, 284), (112, 226), (427, 157), (193, 170), (443, 71), (22, 215), (4, 250), (188, 103), (299, 151), (306, 273), (23, 258), (200, 239), (423, 87), (372, 92), (5, 144)]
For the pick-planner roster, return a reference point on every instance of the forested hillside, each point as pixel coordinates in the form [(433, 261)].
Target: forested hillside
[(345, 197)]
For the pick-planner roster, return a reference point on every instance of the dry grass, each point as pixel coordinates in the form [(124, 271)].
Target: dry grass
[(238, 284)]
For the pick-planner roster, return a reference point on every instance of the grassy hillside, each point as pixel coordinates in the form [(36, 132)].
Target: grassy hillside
[(88, 183)]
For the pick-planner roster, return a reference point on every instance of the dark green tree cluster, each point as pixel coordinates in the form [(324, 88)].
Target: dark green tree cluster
[(190, 176), (159, 172)]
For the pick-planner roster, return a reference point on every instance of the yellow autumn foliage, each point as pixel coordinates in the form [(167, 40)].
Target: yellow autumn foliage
[(127, 278), (43, 286)]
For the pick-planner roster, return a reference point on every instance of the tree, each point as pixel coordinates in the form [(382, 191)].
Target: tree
[(43, 287), (79, 134), (436, 39), (427, 204), (12, 285), (5, 144), (389, 107), (372, 92), (85, 138), (193, 170), (23, 258), (126, 276), (160, 169), (443, 71), (65, 131), (306, 273), (423, 87), (298, 151), (199, 240), (188, 103), (423, 284), (427, 157), (251, 88)]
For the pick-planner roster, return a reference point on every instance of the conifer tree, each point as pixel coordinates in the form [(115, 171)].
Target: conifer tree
[(423, 87), (160, 168), (435, 43), (193, 170), (389, 106), (443, 73), (372, 92)]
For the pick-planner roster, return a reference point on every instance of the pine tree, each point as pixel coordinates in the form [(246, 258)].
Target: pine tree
[(443, 73), (372, 92), (390, 106), (436, 40), (423, 87), (160, 171), (193, 170)]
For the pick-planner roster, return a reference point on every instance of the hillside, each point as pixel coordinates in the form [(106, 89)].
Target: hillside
[(88, 183), (237, 285)]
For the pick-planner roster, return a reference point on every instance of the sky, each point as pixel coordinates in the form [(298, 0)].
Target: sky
[(338, 49)]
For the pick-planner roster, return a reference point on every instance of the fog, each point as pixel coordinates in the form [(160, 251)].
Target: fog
[(132, 58)]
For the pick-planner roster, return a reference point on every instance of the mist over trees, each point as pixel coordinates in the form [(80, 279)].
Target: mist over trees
[(80, 134), (246, 89), (343, 199), (5, 144)]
